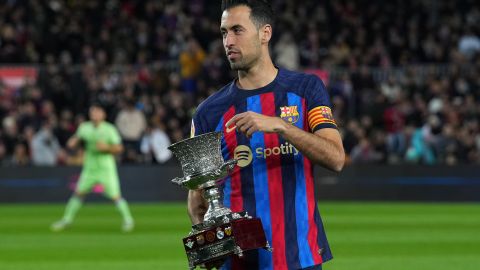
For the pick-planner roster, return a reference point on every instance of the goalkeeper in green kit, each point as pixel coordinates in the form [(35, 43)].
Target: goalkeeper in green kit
[(102, 142)]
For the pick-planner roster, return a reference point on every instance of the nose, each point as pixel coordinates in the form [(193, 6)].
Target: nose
[(228, 40)]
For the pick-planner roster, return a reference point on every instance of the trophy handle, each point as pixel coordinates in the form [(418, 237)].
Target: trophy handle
[(229, 164), (178, 181)]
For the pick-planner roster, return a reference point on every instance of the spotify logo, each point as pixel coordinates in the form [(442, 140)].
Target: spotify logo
[(244, 155)]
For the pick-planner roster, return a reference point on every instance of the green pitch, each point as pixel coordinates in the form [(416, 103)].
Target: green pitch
[(362, 236)]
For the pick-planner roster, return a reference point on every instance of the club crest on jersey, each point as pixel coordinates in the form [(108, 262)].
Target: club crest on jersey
[(289, 114)]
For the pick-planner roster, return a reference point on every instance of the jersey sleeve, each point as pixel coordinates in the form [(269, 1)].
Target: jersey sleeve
[(319, 108), (197, 127), (80, 133), (114, 137)]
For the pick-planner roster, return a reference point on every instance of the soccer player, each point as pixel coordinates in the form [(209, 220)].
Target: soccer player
[(277, 123), (102, 142)]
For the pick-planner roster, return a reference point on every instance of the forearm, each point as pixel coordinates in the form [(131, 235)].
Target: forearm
[(72, 143), (324, 147), (197, 206), (319, 150), (113, 149)]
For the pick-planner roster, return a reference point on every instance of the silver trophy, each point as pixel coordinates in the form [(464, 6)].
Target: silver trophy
[(222, 232)]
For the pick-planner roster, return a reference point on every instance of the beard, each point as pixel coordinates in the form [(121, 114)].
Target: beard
[(244, 63)]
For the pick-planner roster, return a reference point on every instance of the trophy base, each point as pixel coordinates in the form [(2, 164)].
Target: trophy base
[(222, 240)]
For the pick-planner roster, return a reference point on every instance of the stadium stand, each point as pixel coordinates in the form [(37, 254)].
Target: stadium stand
[(404, 76)]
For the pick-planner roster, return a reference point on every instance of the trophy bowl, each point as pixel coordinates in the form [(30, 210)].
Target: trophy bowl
[(201, 161)]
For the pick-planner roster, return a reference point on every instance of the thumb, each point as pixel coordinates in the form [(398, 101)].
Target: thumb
[(231, 124)]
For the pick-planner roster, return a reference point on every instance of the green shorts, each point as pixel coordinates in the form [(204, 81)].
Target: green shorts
[(110, 183)]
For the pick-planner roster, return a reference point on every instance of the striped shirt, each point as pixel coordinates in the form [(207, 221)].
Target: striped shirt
[(273, 180)]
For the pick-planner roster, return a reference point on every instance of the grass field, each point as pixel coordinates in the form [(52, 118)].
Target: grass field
[(363, 236)]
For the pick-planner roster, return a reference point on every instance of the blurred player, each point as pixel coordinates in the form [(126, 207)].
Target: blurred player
[(102, 143)]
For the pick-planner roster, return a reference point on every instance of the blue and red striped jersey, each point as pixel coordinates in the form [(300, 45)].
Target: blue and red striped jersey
[(273, 180)]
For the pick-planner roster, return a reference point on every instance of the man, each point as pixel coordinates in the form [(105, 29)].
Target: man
[(131, 123), (276, 123), (155, 142), (102, 142), (46, 149)]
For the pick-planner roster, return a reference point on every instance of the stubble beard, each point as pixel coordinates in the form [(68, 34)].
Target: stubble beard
[(243, 64), (237, 66)]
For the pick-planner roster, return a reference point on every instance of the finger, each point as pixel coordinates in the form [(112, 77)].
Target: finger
[(230, 129), (244, 121), (244, 126), (233, 120), (231, 124), (249, 132)]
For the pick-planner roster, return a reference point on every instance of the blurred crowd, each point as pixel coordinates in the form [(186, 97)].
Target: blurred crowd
[(404, 76)]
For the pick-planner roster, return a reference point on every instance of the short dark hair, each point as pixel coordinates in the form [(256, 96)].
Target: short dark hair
[(97, 104), (261, 10)]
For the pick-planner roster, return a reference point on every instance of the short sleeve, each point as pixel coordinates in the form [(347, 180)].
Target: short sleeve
[(319, 107), (114, 136), (197, 125), (80, 133)]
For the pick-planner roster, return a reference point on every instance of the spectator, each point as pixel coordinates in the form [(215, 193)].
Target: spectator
[(396, 62), (287, 52), (420, 149), (20, 156), (469, 44), (131, 124), (45, 147), (394, 120), (191, 61), (10, 134), (65, 128), (3, 153), (364, 152), (155, 143)]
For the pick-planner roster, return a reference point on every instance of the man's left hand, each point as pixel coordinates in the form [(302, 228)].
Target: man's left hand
[(249, 122)]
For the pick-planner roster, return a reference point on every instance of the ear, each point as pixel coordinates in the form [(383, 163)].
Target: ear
[(266, 33)]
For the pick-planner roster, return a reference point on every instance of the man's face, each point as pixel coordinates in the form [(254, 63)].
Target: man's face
[(241, 38), (96, 114)]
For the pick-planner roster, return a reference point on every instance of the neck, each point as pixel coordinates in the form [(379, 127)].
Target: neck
[(257, 76), (96, 123)]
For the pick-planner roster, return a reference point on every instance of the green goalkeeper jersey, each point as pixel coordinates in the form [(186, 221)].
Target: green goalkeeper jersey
[(96, 162)]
